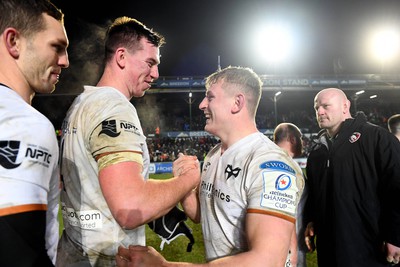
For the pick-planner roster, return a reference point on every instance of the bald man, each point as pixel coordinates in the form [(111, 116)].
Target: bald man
[(394, 125), (353, 175), (289, 137)]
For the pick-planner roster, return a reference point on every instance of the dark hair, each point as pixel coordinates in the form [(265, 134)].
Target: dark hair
[(127, 32), (26, 15)]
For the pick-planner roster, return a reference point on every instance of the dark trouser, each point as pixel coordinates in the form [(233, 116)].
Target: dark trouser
[(22, 240)]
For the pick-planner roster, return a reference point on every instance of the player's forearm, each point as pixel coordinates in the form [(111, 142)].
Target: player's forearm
[(165, 194), (151, 201), (191, 205)]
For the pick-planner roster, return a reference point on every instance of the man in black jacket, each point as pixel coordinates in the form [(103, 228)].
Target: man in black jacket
[(353, 175)]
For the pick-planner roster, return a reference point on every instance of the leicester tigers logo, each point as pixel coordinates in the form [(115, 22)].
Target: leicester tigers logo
[(354, 137), (230, 171)]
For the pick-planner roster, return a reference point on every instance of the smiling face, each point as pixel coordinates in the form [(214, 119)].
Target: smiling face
[(216, 106), (143, 68)]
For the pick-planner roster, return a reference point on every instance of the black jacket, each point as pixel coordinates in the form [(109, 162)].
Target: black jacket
[(354, 194)]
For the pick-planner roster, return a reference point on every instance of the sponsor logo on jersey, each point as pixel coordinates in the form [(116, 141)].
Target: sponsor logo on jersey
[(8, 154), (279, 191), (129, 127), (283, 182), (208, 190), (232, 171), (279, 187), (85, 219), (354, 137), (277, 166), (109, 128), (12, 153)]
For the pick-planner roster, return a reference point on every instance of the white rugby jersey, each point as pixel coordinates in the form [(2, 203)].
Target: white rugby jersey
[(253, 175), (100, 120), (29, 171)]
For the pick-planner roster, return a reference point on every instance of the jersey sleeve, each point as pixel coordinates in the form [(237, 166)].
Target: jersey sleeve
[(119, 132), (275, 187)]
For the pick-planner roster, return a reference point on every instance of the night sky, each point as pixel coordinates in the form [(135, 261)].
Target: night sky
[(197, 32), (330, 39)]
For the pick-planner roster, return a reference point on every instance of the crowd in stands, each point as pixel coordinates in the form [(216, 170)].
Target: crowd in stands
[(303, 119), (166, 148)]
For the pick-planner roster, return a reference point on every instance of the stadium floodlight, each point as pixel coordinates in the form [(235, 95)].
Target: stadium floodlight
[(360, 92), (190, 111), (190, 101), (385, 45), (273, 43), (276, 106), (355, 98)]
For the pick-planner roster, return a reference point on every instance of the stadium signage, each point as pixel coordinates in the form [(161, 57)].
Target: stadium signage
[(267, 82), (162, 167), (166, 167)]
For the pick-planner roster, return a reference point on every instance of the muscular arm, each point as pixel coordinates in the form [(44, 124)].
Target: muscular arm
[(134, 201), (293, 248), (268, 237)]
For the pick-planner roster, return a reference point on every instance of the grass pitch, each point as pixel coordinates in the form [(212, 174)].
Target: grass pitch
[(176, 250)]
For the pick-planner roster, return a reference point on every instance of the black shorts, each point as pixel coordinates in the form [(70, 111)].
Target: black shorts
[(22, 240)]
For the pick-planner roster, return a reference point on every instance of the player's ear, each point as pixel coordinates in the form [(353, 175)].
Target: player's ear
[(239, 103), (347, 105), (120, 57), (11, 39)]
